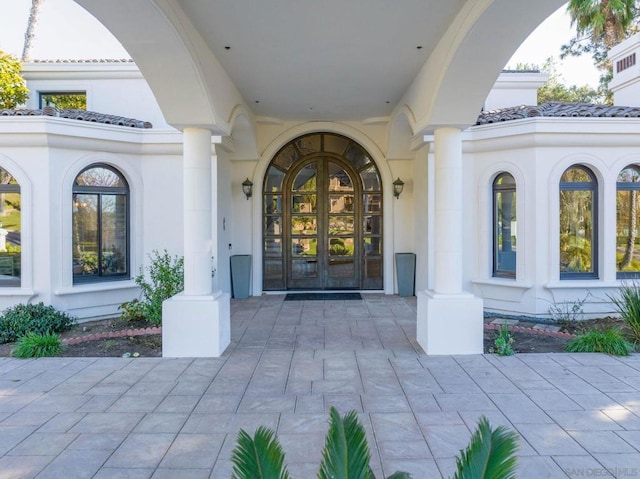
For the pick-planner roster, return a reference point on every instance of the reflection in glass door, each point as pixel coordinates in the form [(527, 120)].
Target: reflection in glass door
[(322, 236), (340, 261), (322, 216), (303, 233)]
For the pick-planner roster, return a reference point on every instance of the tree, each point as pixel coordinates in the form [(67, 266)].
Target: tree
[(30, 34), (65, 101), (604, 21), (600, 25), (13, 90), (555, 90)]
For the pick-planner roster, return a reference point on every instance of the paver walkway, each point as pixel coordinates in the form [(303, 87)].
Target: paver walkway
[(578, 415)]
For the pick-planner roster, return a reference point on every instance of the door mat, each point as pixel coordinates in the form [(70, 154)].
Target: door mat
[(322, 296)]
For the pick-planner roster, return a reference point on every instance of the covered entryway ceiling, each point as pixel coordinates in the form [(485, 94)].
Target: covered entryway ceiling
[(333, 60), (327, 60)]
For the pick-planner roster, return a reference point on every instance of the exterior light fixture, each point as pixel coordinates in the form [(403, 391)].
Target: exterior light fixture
[(247, 188), (398, 186)]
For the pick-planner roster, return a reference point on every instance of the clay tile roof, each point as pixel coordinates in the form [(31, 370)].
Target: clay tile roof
[(557, 109), (81, 115)]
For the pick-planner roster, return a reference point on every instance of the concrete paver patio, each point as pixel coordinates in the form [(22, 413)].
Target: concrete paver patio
[(578, 415)]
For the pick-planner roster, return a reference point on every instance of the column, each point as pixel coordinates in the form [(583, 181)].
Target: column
[(196, 322), (197, 211), (449, 320), (448, 211)]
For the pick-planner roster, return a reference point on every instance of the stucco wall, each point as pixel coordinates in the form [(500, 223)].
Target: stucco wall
[(46, 161), (536, 152)]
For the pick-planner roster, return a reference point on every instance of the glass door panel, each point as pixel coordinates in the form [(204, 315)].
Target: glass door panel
[(341, 203), (303, 229), (306, 179), (341, 260)]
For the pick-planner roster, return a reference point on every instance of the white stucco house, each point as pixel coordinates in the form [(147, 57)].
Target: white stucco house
[(510, 207)]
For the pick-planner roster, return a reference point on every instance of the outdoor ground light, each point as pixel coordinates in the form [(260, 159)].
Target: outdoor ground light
[(247, 188), (398, 186)]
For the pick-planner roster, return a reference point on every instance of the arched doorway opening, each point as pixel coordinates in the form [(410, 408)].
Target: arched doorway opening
[(322, 216)]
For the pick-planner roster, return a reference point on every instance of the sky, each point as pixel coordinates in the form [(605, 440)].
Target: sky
[(66, 31)]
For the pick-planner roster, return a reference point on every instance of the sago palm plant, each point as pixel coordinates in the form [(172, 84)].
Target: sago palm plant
[(258, 457), (345, 456), (489, 455)]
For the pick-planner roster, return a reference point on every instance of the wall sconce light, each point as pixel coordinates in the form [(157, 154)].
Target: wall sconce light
[(247, 188), (398, 186)]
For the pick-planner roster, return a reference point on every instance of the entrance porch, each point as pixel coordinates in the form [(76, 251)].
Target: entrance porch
[(576, 414)]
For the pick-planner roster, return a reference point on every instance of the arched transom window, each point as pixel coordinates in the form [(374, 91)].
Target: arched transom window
[(100, 225)]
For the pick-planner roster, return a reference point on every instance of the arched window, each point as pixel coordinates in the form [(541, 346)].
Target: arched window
[(100, 225), (578, 223), (628, 222), (504, 226), (10, 227)]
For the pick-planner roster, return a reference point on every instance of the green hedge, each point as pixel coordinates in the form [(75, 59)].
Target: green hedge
[(19, 320)]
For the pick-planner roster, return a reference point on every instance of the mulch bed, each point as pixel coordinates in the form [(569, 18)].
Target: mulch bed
[(115, 338), (107, 338), (528, 341)]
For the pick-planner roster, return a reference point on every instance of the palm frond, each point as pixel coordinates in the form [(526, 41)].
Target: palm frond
[(260, 457), (346, 451), (489, 455)]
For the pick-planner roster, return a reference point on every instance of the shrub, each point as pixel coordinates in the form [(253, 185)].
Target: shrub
[(166, 279), (568, 312), (609, 341), (132, 311), (503, 342), (34, 345), (628, 305), (21, 319)]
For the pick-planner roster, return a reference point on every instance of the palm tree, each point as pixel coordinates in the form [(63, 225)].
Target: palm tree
[(30, 34), (605, 21)]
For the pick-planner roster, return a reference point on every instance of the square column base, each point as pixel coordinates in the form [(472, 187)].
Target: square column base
[(196, 326), (450, 323)]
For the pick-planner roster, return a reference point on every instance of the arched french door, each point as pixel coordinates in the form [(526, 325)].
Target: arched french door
[(322, 216)]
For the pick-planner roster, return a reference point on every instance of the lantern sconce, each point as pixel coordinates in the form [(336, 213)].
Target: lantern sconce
[(398, 186), (247, 188)]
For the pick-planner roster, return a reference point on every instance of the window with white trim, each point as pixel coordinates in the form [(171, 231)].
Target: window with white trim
[(10, 228), (628, 222), (504, 226), (578, 224), (100, 225)]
